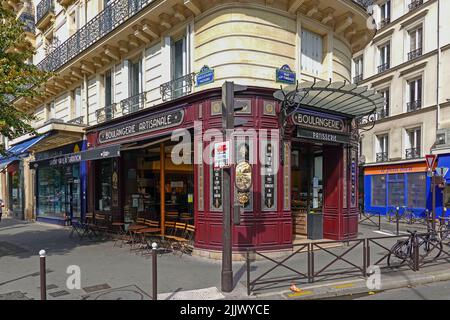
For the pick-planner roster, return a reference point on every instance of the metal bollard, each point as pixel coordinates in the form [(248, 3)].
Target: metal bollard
[(154, 271), (397, 217), (42, 255)]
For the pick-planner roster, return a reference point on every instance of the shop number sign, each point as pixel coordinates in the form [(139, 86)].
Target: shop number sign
[(222, 155)]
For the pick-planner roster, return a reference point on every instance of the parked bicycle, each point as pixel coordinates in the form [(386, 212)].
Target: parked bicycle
[(429, 244)]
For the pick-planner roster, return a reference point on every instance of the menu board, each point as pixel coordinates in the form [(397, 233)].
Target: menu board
[(217, 189)]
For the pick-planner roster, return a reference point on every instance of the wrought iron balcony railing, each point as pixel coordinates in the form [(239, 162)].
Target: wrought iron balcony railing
[(107, 20), (414, 105), (106, 113), (385, 21), (384, 113), (28, 20), (413, 153), (133, 103), (382, 157), (383, 67), (364, 3), (79, 120), (44, 7), (177, 88), (414, 4), (414, 54), (357, 79)]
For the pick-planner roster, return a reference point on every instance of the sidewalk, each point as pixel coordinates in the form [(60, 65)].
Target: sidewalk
[(109, 272)]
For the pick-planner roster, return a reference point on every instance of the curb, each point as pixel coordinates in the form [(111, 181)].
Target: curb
[(355, 287)]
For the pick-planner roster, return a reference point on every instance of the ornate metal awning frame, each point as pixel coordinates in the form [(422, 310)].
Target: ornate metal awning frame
[(341, 98)]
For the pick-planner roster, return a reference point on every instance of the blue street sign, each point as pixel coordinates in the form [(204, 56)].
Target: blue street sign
[(286, 75), (205, 76)]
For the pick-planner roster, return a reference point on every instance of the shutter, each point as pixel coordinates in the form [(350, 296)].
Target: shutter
[(412, 37), (419, 38), (419, 90)]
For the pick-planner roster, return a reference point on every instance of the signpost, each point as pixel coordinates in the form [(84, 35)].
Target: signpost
[(228, 123), (431, 161)]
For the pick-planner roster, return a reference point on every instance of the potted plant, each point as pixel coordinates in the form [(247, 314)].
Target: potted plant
[(315, 225)]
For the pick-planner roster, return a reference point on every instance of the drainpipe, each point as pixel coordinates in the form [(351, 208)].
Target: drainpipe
[(86, 97), (438, 110)]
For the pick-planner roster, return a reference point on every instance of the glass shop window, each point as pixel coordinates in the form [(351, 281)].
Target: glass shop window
[(417, 186), (379, 191), (104, 191), (396, 192)]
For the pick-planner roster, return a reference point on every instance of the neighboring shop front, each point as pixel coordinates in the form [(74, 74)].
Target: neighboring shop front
[(402, 185), (60, 187)]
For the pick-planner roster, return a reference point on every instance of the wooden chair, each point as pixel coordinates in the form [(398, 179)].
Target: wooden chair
[(178, 236), (102, 223), (133, 228), (171, 216), (188, 245)]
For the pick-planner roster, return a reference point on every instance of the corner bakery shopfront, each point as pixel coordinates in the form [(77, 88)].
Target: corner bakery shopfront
[(317, 169)]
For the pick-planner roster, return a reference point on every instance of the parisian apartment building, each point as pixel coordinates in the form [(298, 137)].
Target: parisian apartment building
[(408, 62), (130, 72)]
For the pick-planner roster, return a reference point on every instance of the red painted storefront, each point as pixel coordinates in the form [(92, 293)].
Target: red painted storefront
[(259, 227)]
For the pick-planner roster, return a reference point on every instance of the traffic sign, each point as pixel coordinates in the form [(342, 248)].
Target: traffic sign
[(431, 160), (222, 155), (442, 171)]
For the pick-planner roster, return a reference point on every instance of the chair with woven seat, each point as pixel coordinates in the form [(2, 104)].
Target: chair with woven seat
[(178, 236), (133, 228), (188, 245), (151, 227)]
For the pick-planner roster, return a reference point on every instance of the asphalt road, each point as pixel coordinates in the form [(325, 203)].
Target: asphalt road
[(432, 291)]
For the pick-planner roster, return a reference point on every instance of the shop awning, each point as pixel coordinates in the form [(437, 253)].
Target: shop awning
[(6, 162), (17, 151), (76, 157), (335, 97)]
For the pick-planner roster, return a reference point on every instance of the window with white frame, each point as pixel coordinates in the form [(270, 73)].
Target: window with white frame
[(413, 143), (383, 113), (382, 147), (384, 57), (51, 110), (311, 52), (76, 96), (414, 94), (415, 43), (179, 65), (385, 9), (135, 85), (358, 63)]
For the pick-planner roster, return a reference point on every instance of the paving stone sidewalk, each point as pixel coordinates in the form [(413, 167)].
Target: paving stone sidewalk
[(109, 272)]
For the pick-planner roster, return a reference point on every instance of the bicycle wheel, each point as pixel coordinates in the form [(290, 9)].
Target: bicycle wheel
[(444, 232), (399, 253), (430, 247)]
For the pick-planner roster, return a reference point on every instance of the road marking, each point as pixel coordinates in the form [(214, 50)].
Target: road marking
[(299, 294), (343, 286)]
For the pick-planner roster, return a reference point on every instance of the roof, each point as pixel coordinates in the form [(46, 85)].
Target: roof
[(336, 97)]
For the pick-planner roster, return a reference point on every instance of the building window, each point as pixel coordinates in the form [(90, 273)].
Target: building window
[(382, 148), (385, 13), (413, 143), (415, 43), (103, 185), (312, 52), (417, 186), (135, 77), (76, 96), (358, 70), (109, 100), (383, 113), (385, 57), (414, 95), (378, 191), (396, 192), (51, 110)]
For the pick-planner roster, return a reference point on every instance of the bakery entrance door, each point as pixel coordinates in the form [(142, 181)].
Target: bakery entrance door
[(306, 185)]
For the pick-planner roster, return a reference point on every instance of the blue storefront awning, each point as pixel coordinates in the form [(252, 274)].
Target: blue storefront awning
[(4, 163), (14, 153)]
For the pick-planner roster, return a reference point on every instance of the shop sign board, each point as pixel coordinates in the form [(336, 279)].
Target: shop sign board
[(318, 121), (323, 136), (222, 155), (140, 126)]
